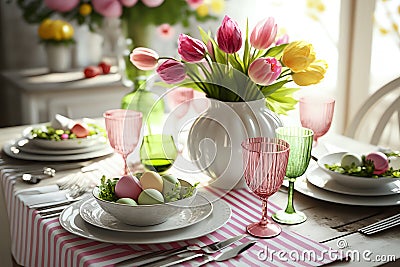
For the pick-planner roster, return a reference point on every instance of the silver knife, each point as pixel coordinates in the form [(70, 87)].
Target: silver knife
[(226, 255), (154, 257)]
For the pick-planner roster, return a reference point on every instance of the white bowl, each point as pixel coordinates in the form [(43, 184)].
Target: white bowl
[(349, 180), (69, 143), (143, 215)]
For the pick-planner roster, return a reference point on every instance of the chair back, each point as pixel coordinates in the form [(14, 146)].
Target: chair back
[(378, 120)]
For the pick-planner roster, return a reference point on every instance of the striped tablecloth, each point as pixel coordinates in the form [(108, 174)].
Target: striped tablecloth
[(43, 242)]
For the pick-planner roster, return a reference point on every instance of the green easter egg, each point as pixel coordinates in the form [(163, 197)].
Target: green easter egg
[(150, 196), (171, 188), (127, 201)]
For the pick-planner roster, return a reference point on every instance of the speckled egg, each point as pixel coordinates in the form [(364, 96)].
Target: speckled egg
[(127, 201), (171, 188), (350, 158), (128, 187), (150, 196), (380, 161), (153, 180)]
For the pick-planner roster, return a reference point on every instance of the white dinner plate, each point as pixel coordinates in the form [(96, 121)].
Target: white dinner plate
[(92, 213), (71, 221), (25, 145), (12, 150), (324, 181), (303, 186)]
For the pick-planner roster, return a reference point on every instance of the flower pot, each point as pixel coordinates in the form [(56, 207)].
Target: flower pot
[(215, 138), (58, 57)]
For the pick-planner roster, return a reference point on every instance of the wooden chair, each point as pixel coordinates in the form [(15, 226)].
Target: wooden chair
[(378, 120)]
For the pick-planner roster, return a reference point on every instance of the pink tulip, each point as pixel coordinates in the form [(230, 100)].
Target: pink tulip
[(191, 49), (264, 33), (128, 3), (108, 8), (144, 58), (283, 40), (229, 37), (210, 49), (166, 31), (153, 3), (61, 5), (264, 71), (194, 3), (172, 71)]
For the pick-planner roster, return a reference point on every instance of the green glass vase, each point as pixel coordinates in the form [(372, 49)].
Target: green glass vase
[(149, 103)]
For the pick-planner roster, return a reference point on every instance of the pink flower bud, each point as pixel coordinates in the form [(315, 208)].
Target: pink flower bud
[(153, 3), (229, 36), (172, 71), (108, 8), (210, 49), (144, 58), (283, 40), (191, 49), (264, 33), (194, 3), (61, 5), (128, 3), (264, 71)]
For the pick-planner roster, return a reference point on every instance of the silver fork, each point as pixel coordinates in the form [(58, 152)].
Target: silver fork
[(55, 210), (381, 225)]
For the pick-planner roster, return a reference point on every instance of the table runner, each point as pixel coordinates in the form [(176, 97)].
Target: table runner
[(43, 242)]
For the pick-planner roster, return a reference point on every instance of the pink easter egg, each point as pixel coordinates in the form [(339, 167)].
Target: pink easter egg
[(128, 186), (80, 131), (108, 8), (61, 5), (380, 161)]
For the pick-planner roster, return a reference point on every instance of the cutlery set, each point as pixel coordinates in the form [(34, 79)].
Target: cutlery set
[(175, 256), (381, 225)]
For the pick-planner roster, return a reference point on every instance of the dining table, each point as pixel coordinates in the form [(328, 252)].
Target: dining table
[(329, 236)]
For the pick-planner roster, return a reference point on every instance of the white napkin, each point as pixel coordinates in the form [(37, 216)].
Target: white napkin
[(38, 200), (38, 190)]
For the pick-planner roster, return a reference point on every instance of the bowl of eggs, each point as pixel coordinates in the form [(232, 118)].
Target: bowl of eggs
[(145, 199), (359, 171)]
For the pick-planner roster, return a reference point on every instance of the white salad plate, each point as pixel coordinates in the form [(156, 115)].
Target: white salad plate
[(92, 213), (303, 186), (71, 221), (77, 143), (25, 145), (324, 181), (12, 150), (349, 180)]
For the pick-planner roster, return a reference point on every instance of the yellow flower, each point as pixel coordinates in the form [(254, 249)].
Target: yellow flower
[(217, 6), (298, 55), (202, 10), (312, 75), (85, 9), (44, 30)]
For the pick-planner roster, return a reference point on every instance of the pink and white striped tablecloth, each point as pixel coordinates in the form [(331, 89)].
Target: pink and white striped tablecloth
[(43, 242)]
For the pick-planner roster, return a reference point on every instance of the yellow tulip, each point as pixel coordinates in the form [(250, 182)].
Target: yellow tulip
[(85, 9), (217, 6), (44, 31), (312, 75), (202, 10), (298, 55), (67, 31)]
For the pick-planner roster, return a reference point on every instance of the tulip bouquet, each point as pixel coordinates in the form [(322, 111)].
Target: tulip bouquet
[(92, 12), (262, 69)]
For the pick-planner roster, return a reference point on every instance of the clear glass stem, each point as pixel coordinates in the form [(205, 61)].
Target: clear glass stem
[(290, 207), (264, 216)]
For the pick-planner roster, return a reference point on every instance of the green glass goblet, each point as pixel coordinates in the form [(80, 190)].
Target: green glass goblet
[(300, 140), (158, 152)]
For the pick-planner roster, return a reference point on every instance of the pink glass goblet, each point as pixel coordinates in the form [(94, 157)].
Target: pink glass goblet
[(265, 161), (123, 130), (316, 113)]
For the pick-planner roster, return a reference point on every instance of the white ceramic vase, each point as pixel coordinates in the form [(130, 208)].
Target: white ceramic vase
[(215, 138), (58, 57)]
